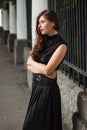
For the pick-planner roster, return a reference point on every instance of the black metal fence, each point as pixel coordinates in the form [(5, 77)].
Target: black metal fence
[(73, 22)]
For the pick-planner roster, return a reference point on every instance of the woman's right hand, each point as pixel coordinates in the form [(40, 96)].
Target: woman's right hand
[(53, 75)]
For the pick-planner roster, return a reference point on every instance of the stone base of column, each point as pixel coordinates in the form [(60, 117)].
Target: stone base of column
[(29, 74), (80, 117), (18, 50), (5, 35), (78, 122), (26, 54), (10, 42), (82, 105), (1, 30)]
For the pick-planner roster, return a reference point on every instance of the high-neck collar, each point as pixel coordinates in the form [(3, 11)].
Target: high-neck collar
[(50, 40), (52, 36)]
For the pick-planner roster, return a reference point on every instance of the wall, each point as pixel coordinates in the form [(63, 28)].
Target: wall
[(69, 93)]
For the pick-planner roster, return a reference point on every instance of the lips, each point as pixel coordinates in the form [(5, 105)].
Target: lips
[(41, 30)]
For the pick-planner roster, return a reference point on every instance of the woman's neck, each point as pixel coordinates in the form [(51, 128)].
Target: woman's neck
[(53, 33)]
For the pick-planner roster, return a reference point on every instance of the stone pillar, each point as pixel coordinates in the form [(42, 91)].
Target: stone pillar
[(80, 117), (0, 23), (43, 4), (12, 28), (5, 25), (29, 74), (0, 18), (21, 40)]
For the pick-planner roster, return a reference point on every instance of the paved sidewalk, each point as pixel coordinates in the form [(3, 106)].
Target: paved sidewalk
[(14, 92)]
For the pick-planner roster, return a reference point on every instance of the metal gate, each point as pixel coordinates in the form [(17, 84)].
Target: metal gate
[(73, 22)]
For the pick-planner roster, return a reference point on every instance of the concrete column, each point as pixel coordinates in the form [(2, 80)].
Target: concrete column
[(12, 19), (12, 28), (0, 18), (0, 23), (21, 40), (5, 25), (1, 26), (36, 9), (26, 54)]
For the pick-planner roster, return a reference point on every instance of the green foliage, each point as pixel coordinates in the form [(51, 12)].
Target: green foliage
[(13, 1), (4, 3), (67, 4)]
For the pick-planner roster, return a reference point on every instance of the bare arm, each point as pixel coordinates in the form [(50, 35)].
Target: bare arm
[(34, 70), (54, 61)]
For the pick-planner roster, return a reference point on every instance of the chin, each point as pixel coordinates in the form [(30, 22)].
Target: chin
[(43, 33)]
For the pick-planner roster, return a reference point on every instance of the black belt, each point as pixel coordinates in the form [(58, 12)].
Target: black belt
[(41, 79)]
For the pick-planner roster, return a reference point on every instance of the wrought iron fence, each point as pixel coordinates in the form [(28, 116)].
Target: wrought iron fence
[(73, 22)]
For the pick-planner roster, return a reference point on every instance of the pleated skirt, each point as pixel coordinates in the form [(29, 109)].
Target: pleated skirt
[(44, 109)]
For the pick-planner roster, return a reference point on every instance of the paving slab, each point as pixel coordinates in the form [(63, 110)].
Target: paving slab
[(14, 91)]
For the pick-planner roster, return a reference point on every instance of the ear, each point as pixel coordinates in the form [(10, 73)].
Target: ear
[(53, 24)]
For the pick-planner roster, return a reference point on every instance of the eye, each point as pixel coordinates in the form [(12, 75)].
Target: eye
[(42, 21)]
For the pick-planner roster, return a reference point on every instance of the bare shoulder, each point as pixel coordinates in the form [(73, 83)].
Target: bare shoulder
[(61, 49), (59, 54)]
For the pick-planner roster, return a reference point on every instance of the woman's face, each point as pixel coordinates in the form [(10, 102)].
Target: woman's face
[(46, 27)]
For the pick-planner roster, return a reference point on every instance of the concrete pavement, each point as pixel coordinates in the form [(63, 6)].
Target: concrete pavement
[(14, 92)]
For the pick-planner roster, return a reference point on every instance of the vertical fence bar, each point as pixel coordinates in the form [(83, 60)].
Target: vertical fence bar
[(85, 44), (79, 9), (77, 37), (86, 33)]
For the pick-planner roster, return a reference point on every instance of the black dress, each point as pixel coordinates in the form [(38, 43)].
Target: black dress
[(44, 110)]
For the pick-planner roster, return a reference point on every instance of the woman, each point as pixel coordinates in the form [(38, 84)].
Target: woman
[(44, 110)]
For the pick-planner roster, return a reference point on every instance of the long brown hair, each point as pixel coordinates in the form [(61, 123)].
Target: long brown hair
[(51, 16)]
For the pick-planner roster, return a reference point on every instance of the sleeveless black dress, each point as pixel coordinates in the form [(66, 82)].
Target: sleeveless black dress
[(44, 110)]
